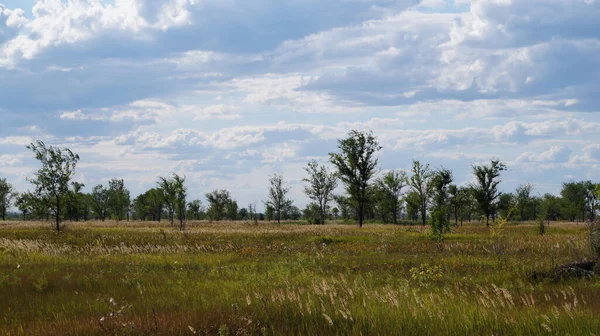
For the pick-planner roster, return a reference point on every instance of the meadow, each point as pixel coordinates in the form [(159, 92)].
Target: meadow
[(241, 278)]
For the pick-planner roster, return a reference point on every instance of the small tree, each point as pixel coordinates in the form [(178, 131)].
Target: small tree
[(392, 184), (174, 196), (439, 213), (195, 209), (523, 195), (232, 210), (321, 184), (420, 183), (100, 204), (485, 189), (6, 196), (118, 198), (217, 202), (356, 166), (52, 180), (277, 198)]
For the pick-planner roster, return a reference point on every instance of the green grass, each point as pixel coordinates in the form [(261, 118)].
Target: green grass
[(289, 279)]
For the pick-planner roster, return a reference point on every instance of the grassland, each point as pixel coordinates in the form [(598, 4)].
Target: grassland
[(246, 279)]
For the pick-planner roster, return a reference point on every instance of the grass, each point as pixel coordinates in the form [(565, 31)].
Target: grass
[(243, 279)]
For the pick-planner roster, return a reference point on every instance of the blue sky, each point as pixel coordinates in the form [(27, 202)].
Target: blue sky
[(228, 92)]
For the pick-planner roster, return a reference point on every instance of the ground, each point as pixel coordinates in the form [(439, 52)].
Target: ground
[(229, 278)]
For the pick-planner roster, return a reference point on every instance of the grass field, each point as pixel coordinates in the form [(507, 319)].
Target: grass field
[(245, 279)]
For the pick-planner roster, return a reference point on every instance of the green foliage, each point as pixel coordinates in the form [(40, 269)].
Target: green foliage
[(485, 190), (420, 182), (7, 194), (217, 204), (390, 187), (174, 196), (356, 165), (53, 178), (426, 274), (321, 184), (277, 196)]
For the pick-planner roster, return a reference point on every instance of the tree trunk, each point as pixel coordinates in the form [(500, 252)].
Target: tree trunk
[(57, 213)]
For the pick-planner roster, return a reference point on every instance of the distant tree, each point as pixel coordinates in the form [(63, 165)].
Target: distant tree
[(507, 202), (52, 180), (25, 203), (392, 184), (252, 211), (75, 201), (118, 198), (575, 195), (217, 203), (459, 201), (486, 188), (413, 201), (7, 194), (591, 200), (100, 205), (277, 197), (523, 199), (243, 214), (321, 184), (195, 209), (420, 182), (232, 210), (356, 167), (174, 197), (440, 182), (269, 212)]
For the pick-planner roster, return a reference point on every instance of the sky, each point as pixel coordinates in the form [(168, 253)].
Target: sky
[(228, 92)]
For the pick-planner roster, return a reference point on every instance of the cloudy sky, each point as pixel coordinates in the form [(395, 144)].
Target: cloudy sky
[(228, 92)]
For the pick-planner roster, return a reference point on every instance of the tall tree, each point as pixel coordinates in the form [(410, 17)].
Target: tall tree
[(485, 189), (52, 180), (6, 196), (392, 184), (118, 198), (356, 167), (575, 197), (217, 203), (459, 201), (277, 198), (321, 184), (523, 198), (420, 182), (100, 203)]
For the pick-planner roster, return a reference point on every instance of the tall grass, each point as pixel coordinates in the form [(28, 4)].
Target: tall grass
[(244, 279)]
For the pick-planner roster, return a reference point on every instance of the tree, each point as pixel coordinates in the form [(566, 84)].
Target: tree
[(25, 203), (420, 182), (321, 184), (217, 202), (440, 183), (195, 209), (232, 210), (6, 196), (485, 190), (169, 196), (575, 196), (174, 196), (243, 214), (391, 184), (523, 198), (459, 201), (506, 204), (75, 201), (356, 166), (277, 198), (52, 180), (118, 198), (100, 203)]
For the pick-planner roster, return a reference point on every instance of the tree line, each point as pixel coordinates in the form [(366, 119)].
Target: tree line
[(421, 195)]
